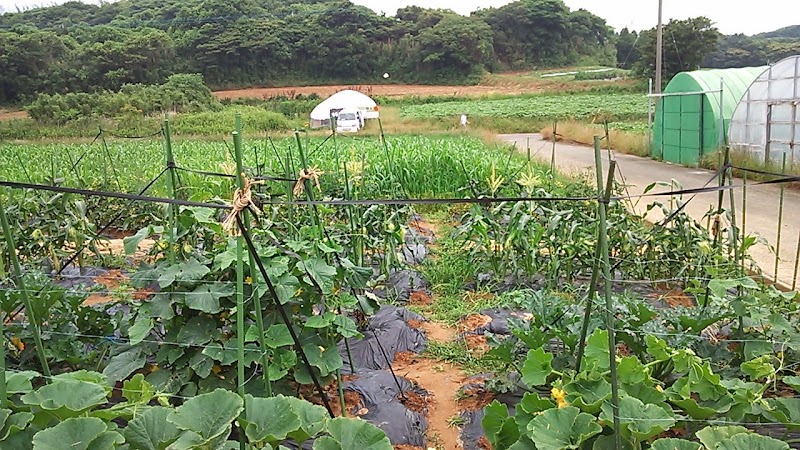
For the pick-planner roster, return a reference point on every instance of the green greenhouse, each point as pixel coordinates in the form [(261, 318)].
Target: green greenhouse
[(693, 108)]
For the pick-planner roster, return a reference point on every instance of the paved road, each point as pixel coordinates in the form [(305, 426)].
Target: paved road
[(762, 201)]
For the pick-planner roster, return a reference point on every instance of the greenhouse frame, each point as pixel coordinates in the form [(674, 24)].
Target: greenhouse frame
[(766, 122), (694, 111)]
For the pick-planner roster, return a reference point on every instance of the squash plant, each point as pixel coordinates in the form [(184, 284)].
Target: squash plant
[(70, 332), (580, 412), (183, 337), (81, 410)]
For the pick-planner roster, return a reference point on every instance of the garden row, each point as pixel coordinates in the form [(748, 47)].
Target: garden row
[(195, 319)]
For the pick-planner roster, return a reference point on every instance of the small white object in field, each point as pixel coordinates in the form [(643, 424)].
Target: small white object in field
[(385, 75)]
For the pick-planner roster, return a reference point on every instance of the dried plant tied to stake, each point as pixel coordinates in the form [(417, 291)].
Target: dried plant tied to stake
[(242, 199), (312, 173)]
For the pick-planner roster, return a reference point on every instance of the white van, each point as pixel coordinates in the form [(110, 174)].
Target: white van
[(349, 121)]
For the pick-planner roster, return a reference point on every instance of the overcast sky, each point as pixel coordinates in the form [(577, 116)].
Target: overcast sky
[(749, 18)]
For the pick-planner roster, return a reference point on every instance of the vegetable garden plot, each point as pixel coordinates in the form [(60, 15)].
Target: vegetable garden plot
[(212, 330)]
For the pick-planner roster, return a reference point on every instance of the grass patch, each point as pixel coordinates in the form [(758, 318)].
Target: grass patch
[(457, 353), (450, 309), (449, 268), (633, 143)]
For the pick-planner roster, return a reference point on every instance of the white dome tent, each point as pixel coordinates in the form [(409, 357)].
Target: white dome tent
[(321, 115), (766, 122)]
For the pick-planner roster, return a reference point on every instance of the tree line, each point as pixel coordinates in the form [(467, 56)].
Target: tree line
[(77, 47), (694, 43), (80, 47)]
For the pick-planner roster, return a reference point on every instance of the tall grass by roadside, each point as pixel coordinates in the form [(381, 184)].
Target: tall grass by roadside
[(740, 159), (582, 133)]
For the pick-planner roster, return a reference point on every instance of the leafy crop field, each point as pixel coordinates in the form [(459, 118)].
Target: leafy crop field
[(540, 107), (194, 337)]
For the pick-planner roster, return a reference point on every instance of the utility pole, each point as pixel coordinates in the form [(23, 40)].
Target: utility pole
[(659, 46)]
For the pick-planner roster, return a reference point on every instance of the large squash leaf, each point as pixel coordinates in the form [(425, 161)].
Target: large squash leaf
[(538, 366), (80, 433), (352, 434), (500, 429), (151, 430), (563, 428), (269, 420), (675, 444), (207, 415), (752, 441)]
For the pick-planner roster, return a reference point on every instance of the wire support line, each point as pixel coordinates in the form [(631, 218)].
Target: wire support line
[(373, 202), (124, 340)]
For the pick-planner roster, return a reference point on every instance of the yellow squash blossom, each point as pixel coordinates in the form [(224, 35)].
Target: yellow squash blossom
[(560, 397), (17, 342)]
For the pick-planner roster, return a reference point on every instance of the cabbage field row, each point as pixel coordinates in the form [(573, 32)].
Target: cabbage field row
[(540, 107)]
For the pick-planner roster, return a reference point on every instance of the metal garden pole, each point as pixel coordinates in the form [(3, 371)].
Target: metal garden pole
[(612, 341), (171, 183), (528, 147), (721, 141), (650, 116), (259, 312), (29, 312), (780, 220), (553, 154)]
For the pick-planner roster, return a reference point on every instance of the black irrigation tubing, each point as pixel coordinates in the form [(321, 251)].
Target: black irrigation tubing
[(68, 190), (274, 294), (122, 136), (311, 153), (679, 209), (111, 162), (97, 234), (760, 172), (227, 175)]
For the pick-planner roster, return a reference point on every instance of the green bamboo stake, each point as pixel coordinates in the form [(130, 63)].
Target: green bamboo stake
[(350, 217), (780, 221), (307, 183), (171, 184), (595, 272), (612, 341), (3, 393), (744, 217), (734, 234), (259, 312), (318, 222), (12, 254), (240, 315), (2, 267)]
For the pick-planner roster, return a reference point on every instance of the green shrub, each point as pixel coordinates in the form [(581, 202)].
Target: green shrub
[(180, 93), (254, 120)]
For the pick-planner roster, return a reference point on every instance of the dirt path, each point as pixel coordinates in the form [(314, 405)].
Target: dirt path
[(443, 381), (11, 115), (762, 201)]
